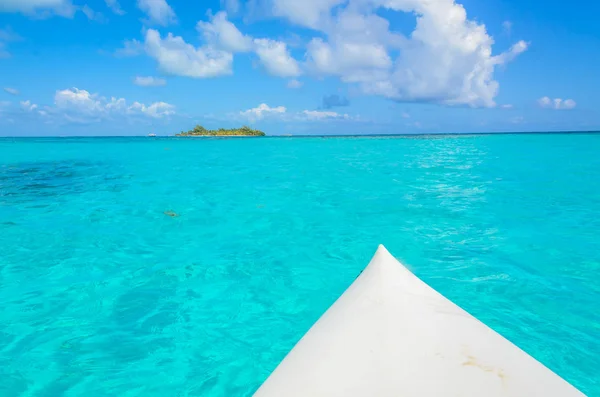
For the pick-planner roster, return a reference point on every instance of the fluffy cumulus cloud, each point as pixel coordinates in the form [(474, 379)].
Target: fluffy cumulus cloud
[(79, 105), (28, 106), (214, 58), (557, 103), (149, 81), (156, 109), (158, 11), (276, 58), (175, 56), (274, 55), (447, 59), (220, 32), (262, 110), (78, 100)]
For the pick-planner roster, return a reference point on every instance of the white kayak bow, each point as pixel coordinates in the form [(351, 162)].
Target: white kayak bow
[(390, 334)]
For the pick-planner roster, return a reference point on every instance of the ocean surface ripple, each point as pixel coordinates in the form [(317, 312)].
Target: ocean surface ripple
[(182, 267)]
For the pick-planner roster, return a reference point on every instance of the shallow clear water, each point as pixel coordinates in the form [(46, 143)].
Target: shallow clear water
[(103, 294)]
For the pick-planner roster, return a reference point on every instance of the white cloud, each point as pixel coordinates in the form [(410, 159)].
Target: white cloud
[(78, 105), (356, 49), (308, 13), (156, 110), (221, 33), (12, 91), (215, 57), (149, 81), (115, 6), (557, 103), (175, 56), (158, 11), (276, 58), (405, 115), (518, 48), (507, 26), (28, 106), (323, 115), (293, 83), (446, 59), (80, 100), (261, 111), (281, 113), (41, 8), (130, 48), (545, 102), (506, 106)]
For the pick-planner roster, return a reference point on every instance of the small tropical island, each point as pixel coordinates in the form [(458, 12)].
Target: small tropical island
[(201, 131)]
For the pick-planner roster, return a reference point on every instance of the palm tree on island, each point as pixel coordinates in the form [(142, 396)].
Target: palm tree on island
[(201, 131)]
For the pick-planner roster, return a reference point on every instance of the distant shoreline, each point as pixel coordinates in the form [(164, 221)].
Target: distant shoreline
[(210, 136), (435, 134), (225, 132)]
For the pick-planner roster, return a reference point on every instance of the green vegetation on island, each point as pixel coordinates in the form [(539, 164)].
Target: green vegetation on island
[(201, 131)]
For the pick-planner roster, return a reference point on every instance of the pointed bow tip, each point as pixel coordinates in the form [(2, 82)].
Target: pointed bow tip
[(384, 259), (383, 253), (381, 248)]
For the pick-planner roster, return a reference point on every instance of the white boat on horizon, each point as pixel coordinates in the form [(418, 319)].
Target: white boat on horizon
[(151, 135), (390, 334)]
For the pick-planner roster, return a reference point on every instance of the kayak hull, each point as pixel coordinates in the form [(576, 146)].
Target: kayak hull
[(390, 334)]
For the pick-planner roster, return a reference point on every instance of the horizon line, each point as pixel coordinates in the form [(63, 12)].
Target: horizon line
[(318, 135)]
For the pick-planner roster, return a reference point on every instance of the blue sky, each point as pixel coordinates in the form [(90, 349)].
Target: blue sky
[(130, 67)]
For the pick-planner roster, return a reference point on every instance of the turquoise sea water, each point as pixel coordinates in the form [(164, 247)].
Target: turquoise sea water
[(103, 294)]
